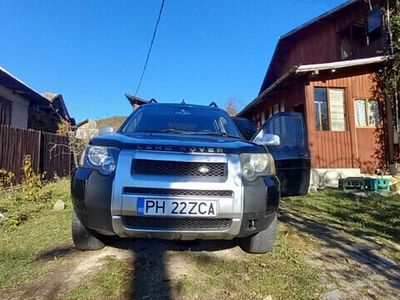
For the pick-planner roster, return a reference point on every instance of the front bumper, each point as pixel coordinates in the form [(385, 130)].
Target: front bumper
[(102, 203)]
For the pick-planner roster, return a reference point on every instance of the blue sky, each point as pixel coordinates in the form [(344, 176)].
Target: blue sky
[(93, 51)]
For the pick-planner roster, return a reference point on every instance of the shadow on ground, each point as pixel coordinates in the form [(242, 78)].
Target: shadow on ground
[(150, 278)]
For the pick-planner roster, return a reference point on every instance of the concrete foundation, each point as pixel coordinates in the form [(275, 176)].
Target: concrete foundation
[(329, 177)]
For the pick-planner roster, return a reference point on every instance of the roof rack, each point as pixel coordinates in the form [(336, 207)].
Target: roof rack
[(213, 104), (152, 100)]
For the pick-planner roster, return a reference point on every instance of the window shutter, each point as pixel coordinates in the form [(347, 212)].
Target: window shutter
[(336, 107)]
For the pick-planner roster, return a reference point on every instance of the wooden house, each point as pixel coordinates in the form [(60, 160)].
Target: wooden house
[(327, 69), (23, 107)]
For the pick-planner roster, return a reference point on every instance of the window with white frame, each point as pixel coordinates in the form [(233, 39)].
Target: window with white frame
[(366, 112), (329, 109)]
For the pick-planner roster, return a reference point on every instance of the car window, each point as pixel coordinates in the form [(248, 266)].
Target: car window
[(186, 119), (290, 129)]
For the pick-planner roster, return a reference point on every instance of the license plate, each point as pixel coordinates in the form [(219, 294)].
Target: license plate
[(160, 207)]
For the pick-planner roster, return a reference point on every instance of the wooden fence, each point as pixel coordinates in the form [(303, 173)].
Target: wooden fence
[(56, 157), (49, 152)]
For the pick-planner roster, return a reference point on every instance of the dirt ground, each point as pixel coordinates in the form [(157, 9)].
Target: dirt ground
[(351, 267)]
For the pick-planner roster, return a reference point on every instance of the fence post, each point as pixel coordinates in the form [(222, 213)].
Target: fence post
[(39, 152)]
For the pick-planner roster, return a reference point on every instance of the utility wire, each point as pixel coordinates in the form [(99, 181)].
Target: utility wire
[(151, 46)]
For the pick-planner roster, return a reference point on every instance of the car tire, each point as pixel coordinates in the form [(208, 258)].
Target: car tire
[(261, 242), (84, 238)]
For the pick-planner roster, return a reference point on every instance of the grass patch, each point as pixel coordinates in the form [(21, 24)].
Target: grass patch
[(282, 274), (43, 228), (376, 216), (112, 281)]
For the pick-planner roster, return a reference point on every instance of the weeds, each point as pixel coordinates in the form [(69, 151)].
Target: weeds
[(30, 229), (6, 179), (18, 204)]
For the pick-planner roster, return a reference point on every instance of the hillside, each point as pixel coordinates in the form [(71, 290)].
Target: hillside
[(115, 122)]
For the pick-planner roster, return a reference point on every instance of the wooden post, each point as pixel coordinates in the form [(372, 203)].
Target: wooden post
[(390, 132)]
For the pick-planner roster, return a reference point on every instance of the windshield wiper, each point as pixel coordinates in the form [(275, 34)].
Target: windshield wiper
[(169, 130), (216, 133)]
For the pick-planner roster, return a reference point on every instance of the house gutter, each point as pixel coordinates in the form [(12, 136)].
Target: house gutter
[(259, 98), (340, 64)]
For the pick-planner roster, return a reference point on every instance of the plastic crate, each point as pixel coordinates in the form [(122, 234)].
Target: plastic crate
[(377, 184), (352, 184)]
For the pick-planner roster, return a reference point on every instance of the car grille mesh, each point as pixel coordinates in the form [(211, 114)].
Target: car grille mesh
[(178, 168), (177, 192), (192, 224)]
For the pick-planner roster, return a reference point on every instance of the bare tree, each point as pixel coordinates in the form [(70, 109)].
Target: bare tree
[(75, 147), (231, 106)]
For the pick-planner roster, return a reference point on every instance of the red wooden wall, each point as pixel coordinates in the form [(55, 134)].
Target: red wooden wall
[(355, 147), (320, 42)]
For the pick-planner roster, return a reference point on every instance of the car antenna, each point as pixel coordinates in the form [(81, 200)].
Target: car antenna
[(213, 104)]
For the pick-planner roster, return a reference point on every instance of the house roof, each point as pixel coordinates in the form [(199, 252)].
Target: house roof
[(50, 96), (285, 40), (319, 18), (84, 122), (58, 104), (136, 100), (53, 101), (21, 88), (311, 68)]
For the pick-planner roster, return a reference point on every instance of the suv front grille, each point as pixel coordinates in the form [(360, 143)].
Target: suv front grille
[(177, 192), (192, 224), (178, 168)]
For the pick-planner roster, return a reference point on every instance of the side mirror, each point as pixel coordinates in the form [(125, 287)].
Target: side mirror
[(268, 139), (106, 130)]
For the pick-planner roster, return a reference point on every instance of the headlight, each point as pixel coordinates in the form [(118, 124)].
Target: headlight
[(103, 159), (257, 164)]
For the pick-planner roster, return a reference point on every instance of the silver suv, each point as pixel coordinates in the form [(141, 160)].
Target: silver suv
[(178, 171)]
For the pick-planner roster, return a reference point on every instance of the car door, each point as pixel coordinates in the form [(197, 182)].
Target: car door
[(246, 127), (292, 156)]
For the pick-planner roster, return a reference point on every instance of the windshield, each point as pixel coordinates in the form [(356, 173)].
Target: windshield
[(190, 120)]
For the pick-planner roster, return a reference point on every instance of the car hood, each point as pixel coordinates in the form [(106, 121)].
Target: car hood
[(177, 143)]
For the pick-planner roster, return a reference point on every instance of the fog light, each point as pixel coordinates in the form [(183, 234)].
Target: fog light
[(252, 224)]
